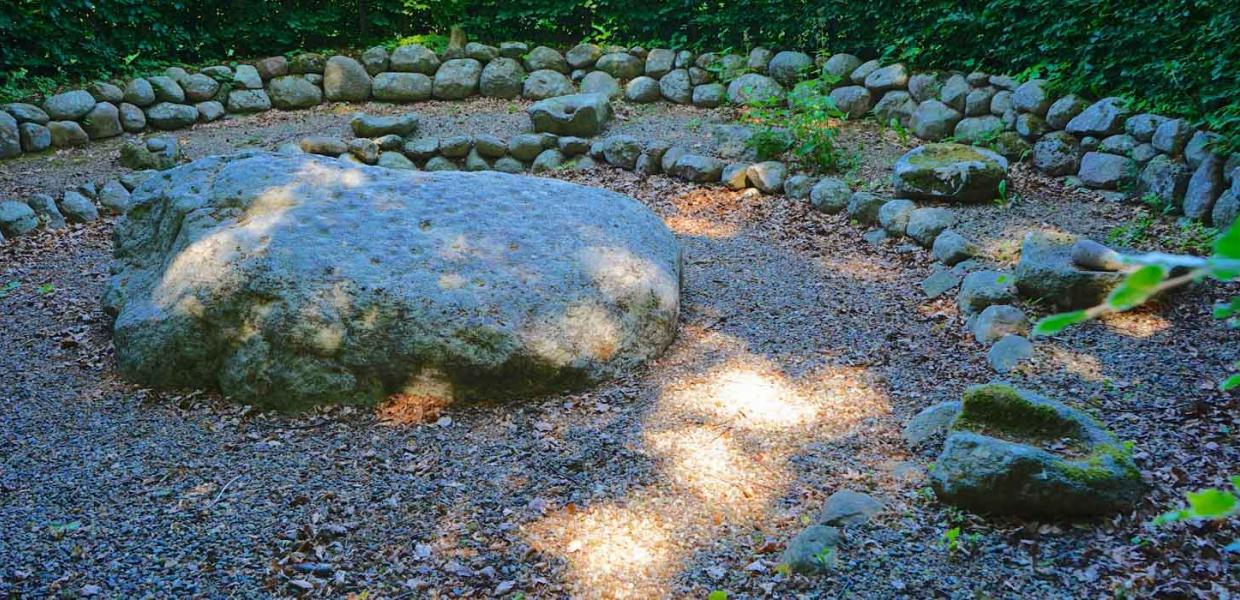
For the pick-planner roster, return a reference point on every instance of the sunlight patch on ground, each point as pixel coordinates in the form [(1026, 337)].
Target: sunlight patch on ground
[(612, 552), (1083, 365), (699, 227), (746, 397), (1138, 325)]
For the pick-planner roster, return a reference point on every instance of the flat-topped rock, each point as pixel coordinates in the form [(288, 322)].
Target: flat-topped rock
[(292, 280), (1047, 270), (950, 172), (581, 115)]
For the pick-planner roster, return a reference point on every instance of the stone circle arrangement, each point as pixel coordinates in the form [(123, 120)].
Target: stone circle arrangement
[(975, 125)]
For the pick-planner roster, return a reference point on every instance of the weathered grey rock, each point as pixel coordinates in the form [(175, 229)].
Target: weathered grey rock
[(789, 67), (480, 52), (581, 115), (660, 62), (1107, 171), (1120, 143), (767, 176), (103, 91), (697, 168), (456, 146), (998, 320), (847, 508), (199, 88), (69, 106), (978, 130), (925, 86), (984, 288), (421, 149), (893, 216), (401, 87), (114, 198), (525, 146), (244, 77), (1000, 103), (1090, 255), (421, 321), (414, 58), (854, 100), (622, 151), (276, 66), (573, 146), (458, 78), (992, 461), (1008, 353), (754, 89), (224, 74), (44, 207), (941, 281), (863, 207), (508, 164), (1198, 148), (345, 80), (375, 60), (1063, 110), (139, 92), (373, 126), (977, 102), (897, 106), (621, 65), (1142, 126), (209, 111), (1171, 136), (1030, 126), (17, 218), (955, 92), (325, 145), (157, 153), (441, 163), (932, 422), (642, 90), (543, 57), (1204, 187), (1032, 97), (78, 208), (735, 176), (1102, 118), (599, 82), (841, 65), (248, 101), (1227, 207), (168, 90), (132, 118), (31, 137), (26, 113), (952, 172), (925, 224), (513, 49), (1144, 153), (69, 133), (550, 159), (861, 72), (709, 95), (830, 195), (759, 58), (934, 120), (543, 84), (1057, 154), (502, 78), (676, 87), (583, 56), (133, 179), (951, 248), (395, 160), (814, 551), (103, 121), (1047, 271), (1011, 146), (891, 77), (292, 92)]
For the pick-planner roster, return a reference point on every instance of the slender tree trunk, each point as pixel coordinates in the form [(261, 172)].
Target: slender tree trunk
[(361, 18)]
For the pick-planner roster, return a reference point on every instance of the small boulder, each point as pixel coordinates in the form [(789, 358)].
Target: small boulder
[(413, 58), (789, 67), (642, 90), (951, 248), (998, 320), (952, 172), (753, 89), (893, 216), (813, 551), (69, 106), (545, 83), (1100, 170), (581, 115), (925, 224), (1008, 353), (1102, 118), (847, 508), (543, 57), (984, 288), (292, 92), (78, 208), (457, 79), (933, 120), (830, 195), (17, 218), (401, 87), (767, 176), (1046, 270), (863, 207)]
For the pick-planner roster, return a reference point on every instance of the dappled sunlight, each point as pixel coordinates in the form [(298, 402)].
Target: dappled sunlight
[(746, 397), (611, 551), (585, 331), (1140, 325), (688, 225), (630, 279), (706, 463), (862, 269), (1084, 365)]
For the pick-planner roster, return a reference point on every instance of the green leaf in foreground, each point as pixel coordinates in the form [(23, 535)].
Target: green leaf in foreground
[(1211, 503), (1052, 324), (8, 288), (717, 595), (1231, 383), (1137, 287)]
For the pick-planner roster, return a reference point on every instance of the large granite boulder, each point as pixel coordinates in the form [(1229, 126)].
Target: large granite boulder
[(288, 281), (1046, 270), (457, 78), (952, 172), (581, 115), (345, 80), (1013, 452), (291, 92)]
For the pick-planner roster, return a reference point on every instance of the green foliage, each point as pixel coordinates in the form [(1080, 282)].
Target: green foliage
[(806, 126), (1210, 504), (951, 540), (717, 595)]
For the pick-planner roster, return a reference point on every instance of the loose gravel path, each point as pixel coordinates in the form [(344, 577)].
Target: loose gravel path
[(802, 350)]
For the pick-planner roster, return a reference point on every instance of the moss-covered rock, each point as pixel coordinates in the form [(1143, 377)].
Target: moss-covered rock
[(1011, 451), (951, 172)]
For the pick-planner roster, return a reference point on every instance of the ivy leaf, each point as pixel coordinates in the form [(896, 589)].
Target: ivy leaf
[(1230, 383), (1211, 503), (1053, 324), (1137, 287)]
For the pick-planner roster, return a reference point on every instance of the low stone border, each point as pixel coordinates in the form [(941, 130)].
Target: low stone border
[(1100, 144)]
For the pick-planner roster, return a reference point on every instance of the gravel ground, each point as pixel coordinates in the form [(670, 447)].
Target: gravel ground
[(802, 350)]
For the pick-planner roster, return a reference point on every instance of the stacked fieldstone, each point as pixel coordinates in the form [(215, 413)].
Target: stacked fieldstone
[(1097, 144)]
